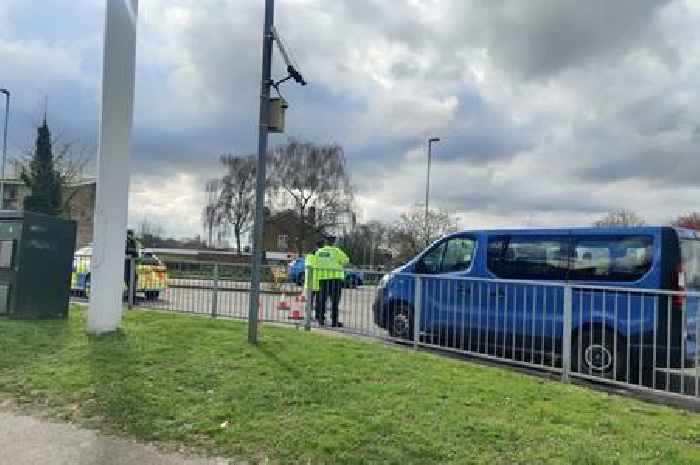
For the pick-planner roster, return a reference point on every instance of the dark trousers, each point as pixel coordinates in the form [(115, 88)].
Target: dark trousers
[(314, 298), (330, 288), (127, 274)]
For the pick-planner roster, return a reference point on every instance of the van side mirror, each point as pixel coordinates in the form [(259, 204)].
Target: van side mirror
[(420, 267)]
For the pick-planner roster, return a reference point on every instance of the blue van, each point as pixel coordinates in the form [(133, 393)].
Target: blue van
[(500, 292)]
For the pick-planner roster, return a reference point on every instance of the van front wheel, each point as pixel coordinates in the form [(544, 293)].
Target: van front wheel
[(400, 322)]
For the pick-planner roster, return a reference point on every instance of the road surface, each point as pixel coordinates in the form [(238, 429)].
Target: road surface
[(26, 440)]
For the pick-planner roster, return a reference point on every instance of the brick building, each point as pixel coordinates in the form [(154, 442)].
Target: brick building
[(81, 206)]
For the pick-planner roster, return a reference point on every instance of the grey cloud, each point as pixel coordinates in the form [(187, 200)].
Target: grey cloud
[(404, 70), (539, 38), (667, 110), (514, 202), (661, 164)]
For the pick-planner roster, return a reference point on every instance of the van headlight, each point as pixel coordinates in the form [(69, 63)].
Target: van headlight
[(385, 279)]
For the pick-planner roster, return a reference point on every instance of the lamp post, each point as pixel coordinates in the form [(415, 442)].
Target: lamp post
[(427, 182), (4, 147), (263, 130)]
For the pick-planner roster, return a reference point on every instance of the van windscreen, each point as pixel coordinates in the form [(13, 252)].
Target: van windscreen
[(690, 257)]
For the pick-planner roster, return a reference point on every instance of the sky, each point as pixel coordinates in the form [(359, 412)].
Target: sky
[(550, 112)]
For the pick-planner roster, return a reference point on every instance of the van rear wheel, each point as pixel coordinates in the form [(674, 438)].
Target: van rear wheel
[(598, 352)]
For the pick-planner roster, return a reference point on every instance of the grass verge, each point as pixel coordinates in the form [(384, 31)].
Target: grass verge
[(310, 398)]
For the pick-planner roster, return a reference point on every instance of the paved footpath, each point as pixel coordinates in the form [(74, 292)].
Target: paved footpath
[(26, 440)]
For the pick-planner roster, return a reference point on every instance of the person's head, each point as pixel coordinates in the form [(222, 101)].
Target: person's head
[(325, 241), (130, 233)]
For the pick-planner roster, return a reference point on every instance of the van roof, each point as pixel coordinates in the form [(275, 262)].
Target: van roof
[(682, 232)]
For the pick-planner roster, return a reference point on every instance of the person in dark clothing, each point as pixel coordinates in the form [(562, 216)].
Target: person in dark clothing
[(131, 251)]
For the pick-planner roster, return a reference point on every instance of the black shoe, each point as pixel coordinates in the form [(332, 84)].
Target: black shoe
[(337, 324), (321, 322)]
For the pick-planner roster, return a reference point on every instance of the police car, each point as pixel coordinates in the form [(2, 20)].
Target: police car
[(151, 274)]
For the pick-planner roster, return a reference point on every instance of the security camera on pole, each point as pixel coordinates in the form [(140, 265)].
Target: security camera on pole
[(271, 120)]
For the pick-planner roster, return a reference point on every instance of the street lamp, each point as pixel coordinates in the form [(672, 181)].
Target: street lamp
[(427, 183), (4, 147)]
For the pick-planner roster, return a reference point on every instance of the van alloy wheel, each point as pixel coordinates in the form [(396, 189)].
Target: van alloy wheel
[(598, 352), (599, 358), (401, 323)]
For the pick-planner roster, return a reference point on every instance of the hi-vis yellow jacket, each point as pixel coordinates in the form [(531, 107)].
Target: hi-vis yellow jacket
[(310, 265), (330, 261)]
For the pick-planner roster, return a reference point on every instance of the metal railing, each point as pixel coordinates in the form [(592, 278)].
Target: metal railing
[(643, 338), (640, 338)]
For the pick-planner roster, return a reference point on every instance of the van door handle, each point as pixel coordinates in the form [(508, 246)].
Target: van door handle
[(464, 288), (498, 293)]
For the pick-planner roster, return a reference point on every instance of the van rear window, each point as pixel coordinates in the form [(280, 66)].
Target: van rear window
[(610, 258), (690, 255)]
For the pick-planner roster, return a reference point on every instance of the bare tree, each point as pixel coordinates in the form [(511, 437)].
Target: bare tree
[(619, 217), (150, 228), (150, 234), (213, 218), (314, 178), (237, 198), (367, 244), (412, 232), (689, 220)]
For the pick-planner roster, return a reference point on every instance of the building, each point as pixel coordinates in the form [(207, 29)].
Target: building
[(81, 204), (283, 231)]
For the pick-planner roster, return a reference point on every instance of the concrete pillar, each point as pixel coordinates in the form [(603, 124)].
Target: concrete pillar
[(111, 208)]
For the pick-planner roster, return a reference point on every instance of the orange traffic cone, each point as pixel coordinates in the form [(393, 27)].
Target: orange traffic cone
[(283, 304), (298, 307)]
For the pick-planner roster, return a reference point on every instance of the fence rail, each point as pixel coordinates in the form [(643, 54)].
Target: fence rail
[(640, 338)]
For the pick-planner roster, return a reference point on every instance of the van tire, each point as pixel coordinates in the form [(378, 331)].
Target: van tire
[(400, 321), (599, 355)]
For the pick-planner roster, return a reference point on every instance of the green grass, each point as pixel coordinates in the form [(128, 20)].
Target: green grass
[(309, 398)]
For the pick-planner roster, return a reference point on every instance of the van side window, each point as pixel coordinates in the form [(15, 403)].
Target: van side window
[(458, 255), (455, 254), (611, 258), (528, 257)]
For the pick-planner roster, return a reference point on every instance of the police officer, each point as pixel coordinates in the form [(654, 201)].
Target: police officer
[(330, 261)]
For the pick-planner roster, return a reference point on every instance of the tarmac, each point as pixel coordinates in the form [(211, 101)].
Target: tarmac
[(26, 440)]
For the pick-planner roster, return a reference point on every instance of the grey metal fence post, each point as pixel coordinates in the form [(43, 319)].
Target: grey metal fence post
[(566, 336), (215, 292), (131, 291), (696, 356), (417, 310), (308, 294)]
